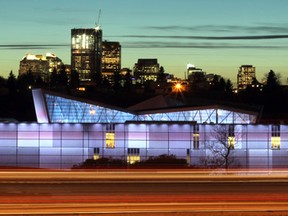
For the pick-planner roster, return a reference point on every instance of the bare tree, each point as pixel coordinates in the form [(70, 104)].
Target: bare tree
[(221, 146)]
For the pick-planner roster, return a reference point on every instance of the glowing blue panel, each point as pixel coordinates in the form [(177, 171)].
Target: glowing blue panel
[(65, 110), (202, 116)]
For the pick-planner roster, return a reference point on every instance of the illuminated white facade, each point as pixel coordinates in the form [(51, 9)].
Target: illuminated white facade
[(70, 131), (63, 145)]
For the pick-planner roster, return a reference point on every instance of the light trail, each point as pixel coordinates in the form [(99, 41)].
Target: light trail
[(137, 191), (144, 175), (43, 209)]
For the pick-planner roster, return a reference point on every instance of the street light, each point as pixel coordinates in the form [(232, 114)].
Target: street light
[(177, 87)]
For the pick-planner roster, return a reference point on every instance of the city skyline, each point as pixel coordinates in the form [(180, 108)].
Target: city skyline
[(216, 36)]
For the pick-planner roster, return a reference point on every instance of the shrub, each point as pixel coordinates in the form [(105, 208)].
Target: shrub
[(100, 163), (163, 161)]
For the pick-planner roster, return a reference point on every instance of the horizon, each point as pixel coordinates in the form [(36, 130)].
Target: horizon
[(218, 37)]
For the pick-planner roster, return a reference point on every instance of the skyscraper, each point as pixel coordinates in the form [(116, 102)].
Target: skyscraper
[(146, 69), (245, 77), (111, 59), (40, 65), (86, 53)]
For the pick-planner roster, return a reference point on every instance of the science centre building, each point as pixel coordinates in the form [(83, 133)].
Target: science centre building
[(70, 130)]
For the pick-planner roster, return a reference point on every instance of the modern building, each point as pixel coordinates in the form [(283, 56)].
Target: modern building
[(86, 52), (40, 65), (146, 69), (245, 77), (191, 69), (70, 130), (197, 78), (111, 59)]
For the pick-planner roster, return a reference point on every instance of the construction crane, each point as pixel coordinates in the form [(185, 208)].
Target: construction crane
[(98, 20)]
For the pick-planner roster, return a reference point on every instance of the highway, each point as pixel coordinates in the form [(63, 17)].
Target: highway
[(141, 192)]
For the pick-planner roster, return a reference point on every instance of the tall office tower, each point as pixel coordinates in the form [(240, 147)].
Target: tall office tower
[(245, 77), (146, 69), (86, 52), (111, 59)]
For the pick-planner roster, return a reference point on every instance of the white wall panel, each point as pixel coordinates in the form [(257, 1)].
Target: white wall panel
[(8, 160), (137, 144), (180, 144), (50, 151), (72, 151), (67, 143), (25, 159), (50, 159), (8, 142), (28, 151), (28, 143), (7, 151), (45, 143)]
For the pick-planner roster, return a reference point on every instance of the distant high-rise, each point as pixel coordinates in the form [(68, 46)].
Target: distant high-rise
[(245, 77), (86, 53), (146, 69), (195, 74), (111, 59), (40, 65)]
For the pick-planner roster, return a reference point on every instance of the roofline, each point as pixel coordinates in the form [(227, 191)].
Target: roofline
[(84, 100), (189, 108), (162, 122), (154, 111)]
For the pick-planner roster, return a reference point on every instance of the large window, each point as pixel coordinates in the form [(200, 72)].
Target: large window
[(110, 136), (231, 136), (96, 153), (196, 136), (275, 137), (133, 155)]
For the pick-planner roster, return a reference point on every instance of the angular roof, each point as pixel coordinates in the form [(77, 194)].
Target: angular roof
[(53, 107), (158, 102)]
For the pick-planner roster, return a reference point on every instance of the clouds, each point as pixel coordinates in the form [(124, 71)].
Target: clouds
[(150, 44), (256, 37), (187, 45), (212, 37), (216, 32), (32, 46), (215, 42), (262, 28), (209, 37)]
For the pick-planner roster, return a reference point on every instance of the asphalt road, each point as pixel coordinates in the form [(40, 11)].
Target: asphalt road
[(143, 192)]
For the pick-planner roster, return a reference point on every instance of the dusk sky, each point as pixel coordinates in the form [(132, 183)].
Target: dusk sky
[(215, 35)]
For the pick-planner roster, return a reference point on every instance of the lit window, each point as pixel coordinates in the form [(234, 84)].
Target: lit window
[(275, 137), (92, 111), (96, 154), (275, 142), (110, 140), (188, 159), (110, 136), (82, 89), (196, 141), (131, 159), (231, 142), (196, 136), (231, 137), (133, 155)]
